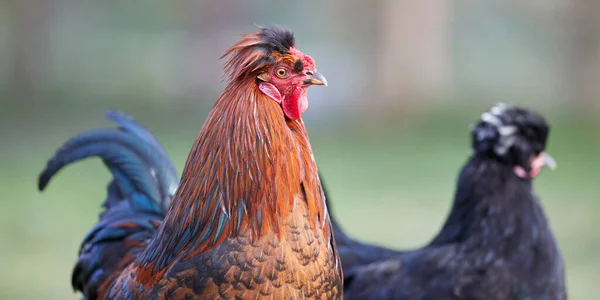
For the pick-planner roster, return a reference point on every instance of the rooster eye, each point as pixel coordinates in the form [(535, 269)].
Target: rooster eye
[(281, 72)]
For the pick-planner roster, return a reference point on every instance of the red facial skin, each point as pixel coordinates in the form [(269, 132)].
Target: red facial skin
[(289, 90), (537, 163)]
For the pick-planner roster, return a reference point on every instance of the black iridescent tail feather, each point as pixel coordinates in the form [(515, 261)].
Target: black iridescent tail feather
[(144, 181), (135, 158)]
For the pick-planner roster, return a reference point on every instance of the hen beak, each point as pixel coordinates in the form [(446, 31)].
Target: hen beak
[(544, 160), (316, 79)]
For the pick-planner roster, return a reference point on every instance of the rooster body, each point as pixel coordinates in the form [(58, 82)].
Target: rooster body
[(496, 242), (248, 219)]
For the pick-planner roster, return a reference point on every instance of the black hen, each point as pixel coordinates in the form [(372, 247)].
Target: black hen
[(496, 242)]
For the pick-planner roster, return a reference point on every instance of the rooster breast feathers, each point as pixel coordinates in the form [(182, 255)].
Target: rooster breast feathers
[(144, 181)]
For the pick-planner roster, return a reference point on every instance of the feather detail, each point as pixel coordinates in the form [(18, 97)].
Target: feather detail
[(232, 182), (144, 180), (247, 216)]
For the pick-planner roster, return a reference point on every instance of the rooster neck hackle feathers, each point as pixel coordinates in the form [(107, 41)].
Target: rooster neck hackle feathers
[(248, 166)]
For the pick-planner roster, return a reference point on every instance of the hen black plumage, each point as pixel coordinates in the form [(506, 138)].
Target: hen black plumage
[(495, 244)]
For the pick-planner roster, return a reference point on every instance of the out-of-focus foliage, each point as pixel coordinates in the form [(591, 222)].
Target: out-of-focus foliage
[(406, 78)]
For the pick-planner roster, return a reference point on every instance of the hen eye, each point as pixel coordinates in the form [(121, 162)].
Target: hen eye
[(281, 72)]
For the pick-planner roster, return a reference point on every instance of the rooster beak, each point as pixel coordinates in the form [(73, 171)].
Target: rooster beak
[(316, 79), (544, 160)]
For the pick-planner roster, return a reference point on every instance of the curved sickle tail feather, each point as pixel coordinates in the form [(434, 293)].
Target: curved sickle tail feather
[(133, 155), (144, 181)]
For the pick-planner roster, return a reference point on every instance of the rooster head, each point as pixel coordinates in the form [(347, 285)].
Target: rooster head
[(515, 136), (282, 72)]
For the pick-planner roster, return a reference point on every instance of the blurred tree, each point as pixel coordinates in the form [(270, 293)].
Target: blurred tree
[(29, 41), (584, 58), (211, 28), (413, 50)]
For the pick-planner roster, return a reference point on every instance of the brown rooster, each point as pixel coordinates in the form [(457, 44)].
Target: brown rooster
[(248, 219)]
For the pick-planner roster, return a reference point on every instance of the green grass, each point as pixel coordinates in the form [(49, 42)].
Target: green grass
[(390, 184)]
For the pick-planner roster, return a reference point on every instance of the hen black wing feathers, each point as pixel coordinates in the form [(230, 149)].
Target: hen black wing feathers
[(496, 242)]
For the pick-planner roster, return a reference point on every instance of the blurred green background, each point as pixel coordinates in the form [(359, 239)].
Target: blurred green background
[(406, 78)]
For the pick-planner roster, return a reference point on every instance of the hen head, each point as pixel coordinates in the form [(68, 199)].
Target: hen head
[(282, 72), (515, 136)]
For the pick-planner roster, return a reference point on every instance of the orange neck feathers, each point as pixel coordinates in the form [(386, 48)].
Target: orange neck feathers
[(247, 167)]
